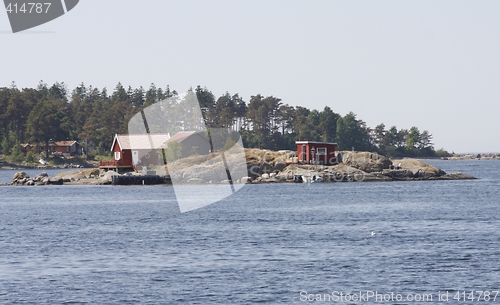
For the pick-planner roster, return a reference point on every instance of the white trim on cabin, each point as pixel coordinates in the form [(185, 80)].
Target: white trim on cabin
[(313, 142)]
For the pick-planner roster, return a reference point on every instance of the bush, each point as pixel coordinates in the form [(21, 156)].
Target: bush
[(30, 157), (442, 153)]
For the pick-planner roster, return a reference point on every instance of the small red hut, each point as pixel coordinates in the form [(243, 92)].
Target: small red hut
[(316, 152), (129, 149)]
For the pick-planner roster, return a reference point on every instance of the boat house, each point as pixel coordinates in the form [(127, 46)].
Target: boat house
[(309, 152), (191, 143), (138, 150), (131, 150)]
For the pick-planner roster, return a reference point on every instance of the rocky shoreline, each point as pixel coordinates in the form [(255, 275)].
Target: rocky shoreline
[(359, 167), (475, 157), (275, 167), (7, 166)]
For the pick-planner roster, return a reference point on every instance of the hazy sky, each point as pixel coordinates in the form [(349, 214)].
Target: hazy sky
[(430, 64)]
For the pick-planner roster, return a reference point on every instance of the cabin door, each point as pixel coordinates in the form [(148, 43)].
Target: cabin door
[(135, 157)]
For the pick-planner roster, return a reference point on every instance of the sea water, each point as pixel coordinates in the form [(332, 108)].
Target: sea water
[(273, 244)]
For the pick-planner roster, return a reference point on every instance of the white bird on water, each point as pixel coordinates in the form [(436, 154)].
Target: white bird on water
[(373, 233)]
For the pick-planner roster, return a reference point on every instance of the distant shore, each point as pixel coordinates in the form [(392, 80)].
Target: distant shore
[(69, 164)]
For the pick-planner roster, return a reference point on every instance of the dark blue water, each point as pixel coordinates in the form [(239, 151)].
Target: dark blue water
[(267, 244)]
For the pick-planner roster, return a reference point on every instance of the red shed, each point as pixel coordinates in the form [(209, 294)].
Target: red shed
[(316, 152), (128, 150)]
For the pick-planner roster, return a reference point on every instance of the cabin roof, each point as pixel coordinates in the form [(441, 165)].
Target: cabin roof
[(181, 136), (140, 141), (65, 143), (56, 143), (313, 142)]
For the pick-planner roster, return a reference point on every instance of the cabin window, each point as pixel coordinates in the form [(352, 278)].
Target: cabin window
[(303, 152), (117, 155), (321, 151)]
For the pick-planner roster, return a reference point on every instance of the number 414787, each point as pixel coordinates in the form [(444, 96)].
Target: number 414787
[(477, 295), (28, 8)]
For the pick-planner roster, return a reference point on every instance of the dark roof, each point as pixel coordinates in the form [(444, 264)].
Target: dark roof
[(181, 136)]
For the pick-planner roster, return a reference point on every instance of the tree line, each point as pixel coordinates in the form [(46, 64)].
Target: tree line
[(45, 113)]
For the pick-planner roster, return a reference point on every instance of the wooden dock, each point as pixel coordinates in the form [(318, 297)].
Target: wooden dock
[(116, 166), (140, 180)]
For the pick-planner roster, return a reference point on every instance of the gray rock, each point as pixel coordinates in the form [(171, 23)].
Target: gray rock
[(265, 167), (365, 161), (20, 176), (108, 177), (420, 170), (279, 166), (56, 181), (457, 176), (40, 177), (245, 179), (398, 173), (254, 169)]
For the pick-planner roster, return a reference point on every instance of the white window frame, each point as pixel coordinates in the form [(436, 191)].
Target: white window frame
[(321, 151)]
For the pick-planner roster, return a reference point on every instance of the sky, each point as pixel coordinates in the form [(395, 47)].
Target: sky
[(430, 64)]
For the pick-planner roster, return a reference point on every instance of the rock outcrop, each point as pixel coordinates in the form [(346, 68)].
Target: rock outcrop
[(418, 169), (365, 161), (365, 166), (20, 176), (107, 178)]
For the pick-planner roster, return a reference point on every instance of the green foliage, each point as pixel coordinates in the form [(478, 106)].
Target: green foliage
[(30, 157), (48, 121), (443, 153), (173, 152), (8, 142), (16, 152), (353, 134), (39, 114)]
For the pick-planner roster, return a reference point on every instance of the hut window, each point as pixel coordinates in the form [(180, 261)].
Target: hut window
[(321, 151)]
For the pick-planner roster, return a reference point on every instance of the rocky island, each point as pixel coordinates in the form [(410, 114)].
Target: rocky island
[(266, 166)]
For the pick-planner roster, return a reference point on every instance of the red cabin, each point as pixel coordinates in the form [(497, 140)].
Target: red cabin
[(129, 149), (316, 152)]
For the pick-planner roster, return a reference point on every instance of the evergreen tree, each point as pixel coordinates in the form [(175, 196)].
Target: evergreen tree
[(46, 122)]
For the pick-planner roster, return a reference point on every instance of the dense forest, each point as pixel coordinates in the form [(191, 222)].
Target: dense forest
[(44, 113)]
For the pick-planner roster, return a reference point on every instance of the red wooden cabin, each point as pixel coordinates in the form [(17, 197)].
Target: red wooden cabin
[(316, 152), (129, 149)]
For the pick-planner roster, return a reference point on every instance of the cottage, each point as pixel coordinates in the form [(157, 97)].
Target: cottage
[(26, 148), (316, 152), (191, 143), (63, 148), (145, 150), (131, 150)]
